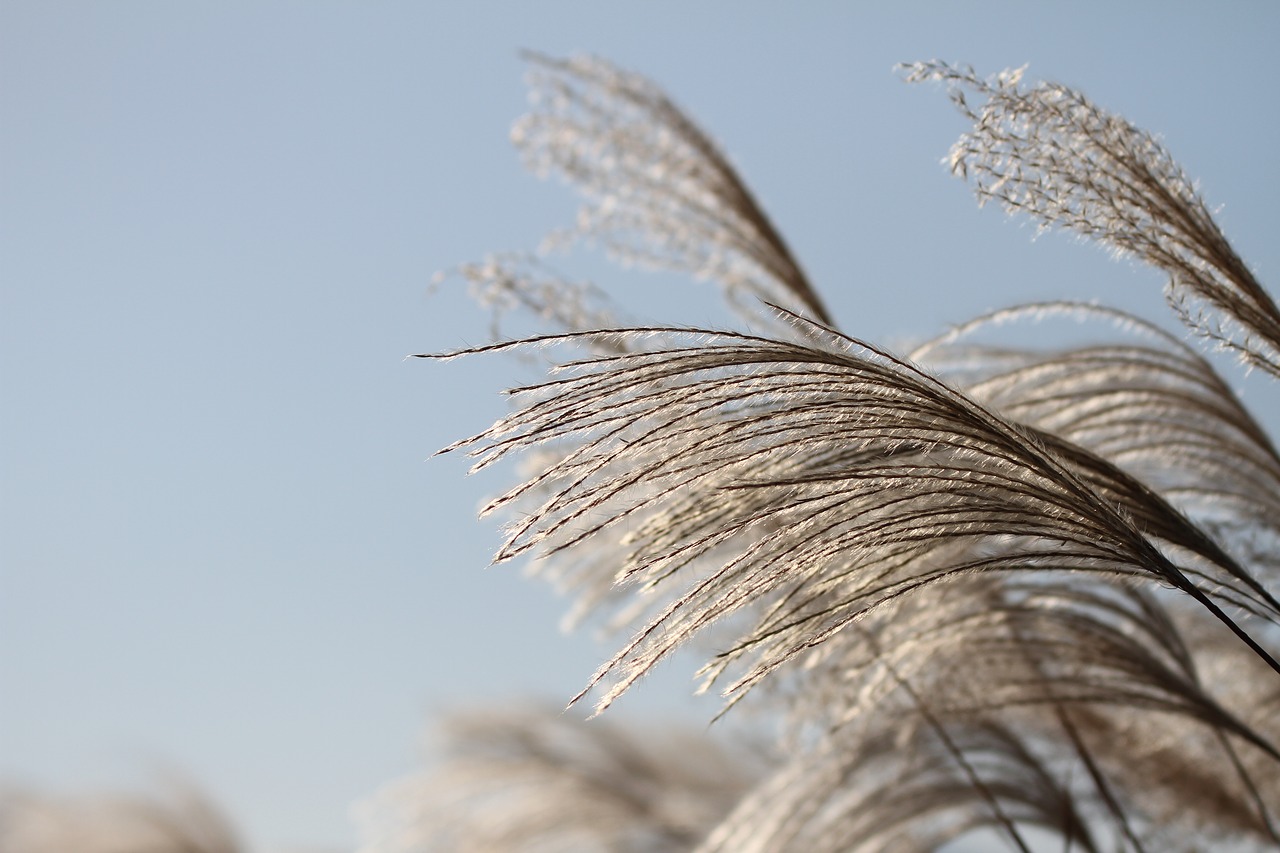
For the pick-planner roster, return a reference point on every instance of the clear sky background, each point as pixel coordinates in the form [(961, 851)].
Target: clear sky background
[(223, 548)]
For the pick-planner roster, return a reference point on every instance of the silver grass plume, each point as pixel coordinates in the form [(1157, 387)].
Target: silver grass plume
[(1144, 400), (820, 483), (981, 587), (182, 822), (657, 189), (1050, 153), (530, 779)]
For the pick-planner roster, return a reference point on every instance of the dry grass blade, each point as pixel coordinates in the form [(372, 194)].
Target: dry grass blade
[(658, 191), (1052, 154)]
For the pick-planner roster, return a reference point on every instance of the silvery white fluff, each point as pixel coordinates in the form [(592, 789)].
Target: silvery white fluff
[(978, 588)]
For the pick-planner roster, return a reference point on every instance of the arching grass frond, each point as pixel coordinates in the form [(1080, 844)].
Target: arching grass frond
[(1052, 154), (1142, 400), (818, 482)]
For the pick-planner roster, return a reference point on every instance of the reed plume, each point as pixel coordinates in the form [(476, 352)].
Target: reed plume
[(1050, 153), (973, 588)]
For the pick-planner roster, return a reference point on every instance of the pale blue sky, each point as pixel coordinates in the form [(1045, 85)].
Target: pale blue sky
[(221, 548)]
